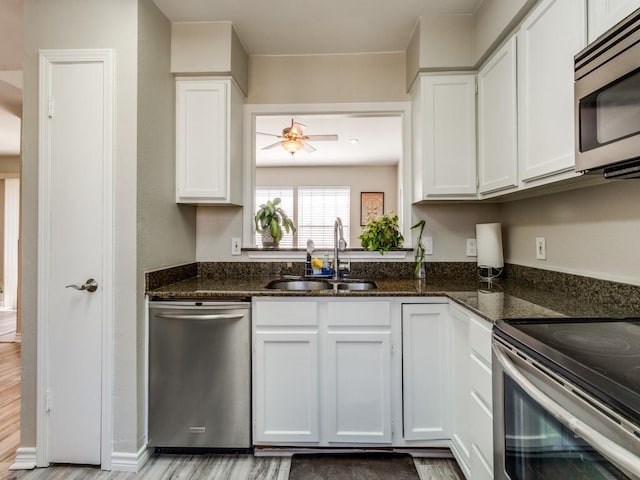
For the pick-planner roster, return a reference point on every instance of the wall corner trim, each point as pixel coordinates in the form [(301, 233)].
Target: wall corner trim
[(25, 459), (130, 462)]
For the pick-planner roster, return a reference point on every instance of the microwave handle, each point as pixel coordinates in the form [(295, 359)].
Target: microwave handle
[(616, 454)]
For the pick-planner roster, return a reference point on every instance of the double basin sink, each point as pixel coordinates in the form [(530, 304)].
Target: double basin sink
[(317, 284)]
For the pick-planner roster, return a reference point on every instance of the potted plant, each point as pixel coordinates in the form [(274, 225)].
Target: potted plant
[(418, 268), (381, 234), (269, 220)]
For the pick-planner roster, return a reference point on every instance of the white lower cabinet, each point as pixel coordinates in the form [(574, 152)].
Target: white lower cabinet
[(425, 371), (286, 369), (322, 372), (461, 388)]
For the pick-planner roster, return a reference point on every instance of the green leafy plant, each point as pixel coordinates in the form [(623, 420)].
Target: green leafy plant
[(419, 256), (271, 218), (381, 234)]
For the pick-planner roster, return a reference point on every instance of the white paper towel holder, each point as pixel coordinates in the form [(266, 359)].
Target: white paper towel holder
[(489, 250)]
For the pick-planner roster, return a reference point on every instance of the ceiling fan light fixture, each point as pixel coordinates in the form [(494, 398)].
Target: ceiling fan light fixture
[(292, 146)]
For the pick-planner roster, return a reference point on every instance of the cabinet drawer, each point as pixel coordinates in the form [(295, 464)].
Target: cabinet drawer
[(480, 338), (285, 313), (482, 429), (363, 313), (481, 380)]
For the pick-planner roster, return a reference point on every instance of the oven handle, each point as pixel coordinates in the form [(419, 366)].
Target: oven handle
[(199, 316), (616, 454)]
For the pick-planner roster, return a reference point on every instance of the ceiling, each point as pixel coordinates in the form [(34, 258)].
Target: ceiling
[(283, 27), (379, 140)]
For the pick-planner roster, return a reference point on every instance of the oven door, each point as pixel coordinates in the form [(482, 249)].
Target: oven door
[(547, 428)]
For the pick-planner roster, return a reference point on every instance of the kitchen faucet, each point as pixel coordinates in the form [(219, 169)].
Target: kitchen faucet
[(339, 245)]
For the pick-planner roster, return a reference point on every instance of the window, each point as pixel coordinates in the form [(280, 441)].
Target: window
[(318, 208), (286, 195)]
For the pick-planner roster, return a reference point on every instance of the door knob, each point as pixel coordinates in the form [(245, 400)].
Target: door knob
[(90, 286)]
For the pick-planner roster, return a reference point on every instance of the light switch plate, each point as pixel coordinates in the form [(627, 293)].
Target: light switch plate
[(235, 246), (541, 248)]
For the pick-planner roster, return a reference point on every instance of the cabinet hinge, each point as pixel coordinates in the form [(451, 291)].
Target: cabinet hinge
[(47, 401), (50, 107)]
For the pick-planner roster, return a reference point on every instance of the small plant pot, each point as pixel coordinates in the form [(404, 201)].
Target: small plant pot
[(267, 240)]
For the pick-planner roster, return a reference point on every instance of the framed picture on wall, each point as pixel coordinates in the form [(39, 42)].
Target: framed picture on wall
[(371, 206)]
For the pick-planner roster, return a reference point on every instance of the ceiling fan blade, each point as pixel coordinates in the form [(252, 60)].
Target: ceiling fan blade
[(321, 138), (268, 134), (273, 145), (308, 148)]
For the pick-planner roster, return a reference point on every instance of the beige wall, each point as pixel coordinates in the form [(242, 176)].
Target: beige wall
[(450, 224), (360, 179), (166, 231), (94, 24), (592, 231), (378, 77), (211, 48)]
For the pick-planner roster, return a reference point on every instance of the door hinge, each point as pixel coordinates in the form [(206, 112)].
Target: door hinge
[(47, 401), (476, 82), (50, 107)]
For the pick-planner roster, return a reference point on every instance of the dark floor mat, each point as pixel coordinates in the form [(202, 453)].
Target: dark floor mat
[(369, 466)]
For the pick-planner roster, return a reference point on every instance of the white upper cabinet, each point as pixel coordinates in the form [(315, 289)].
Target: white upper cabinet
[(497, 121), (548, 40), (208, 141), (604, 14), (444, 134)]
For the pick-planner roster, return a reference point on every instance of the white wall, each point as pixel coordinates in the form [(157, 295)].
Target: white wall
[(592, 231)]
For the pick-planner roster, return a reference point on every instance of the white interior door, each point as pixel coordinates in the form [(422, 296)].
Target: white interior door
[(74, 242)]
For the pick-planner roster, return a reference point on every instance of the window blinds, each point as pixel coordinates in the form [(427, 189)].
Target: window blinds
[(318, 208)]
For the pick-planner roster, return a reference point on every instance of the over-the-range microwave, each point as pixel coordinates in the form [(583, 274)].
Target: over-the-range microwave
[(607, 102)]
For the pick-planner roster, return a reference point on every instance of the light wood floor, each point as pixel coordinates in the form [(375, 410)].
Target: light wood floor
[(9, 403), (216, 467)]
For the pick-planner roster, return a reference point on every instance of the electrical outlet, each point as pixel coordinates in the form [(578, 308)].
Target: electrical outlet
[(471, 247), (235, 246), (541, 248), (428, 245)]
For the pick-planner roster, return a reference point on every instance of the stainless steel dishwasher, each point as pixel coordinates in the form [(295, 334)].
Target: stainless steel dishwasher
[(199, 374)]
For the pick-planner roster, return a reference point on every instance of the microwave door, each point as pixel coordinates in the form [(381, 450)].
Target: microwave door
[(607, 109)]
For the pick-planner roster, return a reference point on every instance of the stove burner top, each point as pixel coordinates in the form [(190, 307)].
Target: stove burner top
[(600, 355), (595, 342)]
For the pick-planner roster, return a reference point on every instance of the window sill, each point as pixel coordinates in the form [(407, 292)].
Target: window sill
[(300, 254)]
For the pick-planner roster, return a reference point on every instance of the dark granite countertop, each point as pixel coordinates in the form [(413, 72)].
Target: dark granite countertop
[(507, 299)]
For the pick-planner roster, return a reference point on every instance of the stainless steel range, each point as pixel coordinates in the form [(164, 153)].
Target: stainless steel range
[(567, 399)]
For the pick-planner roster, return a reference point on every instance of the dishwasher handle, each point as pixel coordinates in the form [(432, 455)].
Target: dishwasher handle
[(201, 316)]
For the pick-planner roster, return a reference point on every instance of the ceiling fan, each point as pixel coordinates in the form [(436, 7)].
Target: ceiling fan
[(293, 138)]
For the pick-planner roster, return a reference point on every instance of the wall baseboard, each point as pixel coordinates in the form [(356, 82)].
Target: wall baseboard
[(130, 462), (25, 459)]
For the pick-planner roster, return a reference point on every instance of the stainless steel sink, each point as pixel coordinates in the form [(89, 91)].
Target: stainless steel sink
[(356, 285), (320, 285), (299, 285)]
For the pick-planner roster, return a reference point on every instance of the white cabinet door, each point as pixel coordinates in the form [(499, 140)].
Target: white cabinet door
[(208, 112), (358, 371), (425, 371), (286, 371), (497, 121), (358, 397), (547, 41), (286, 383), (604, 14), (461, 387), (447, 149)]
